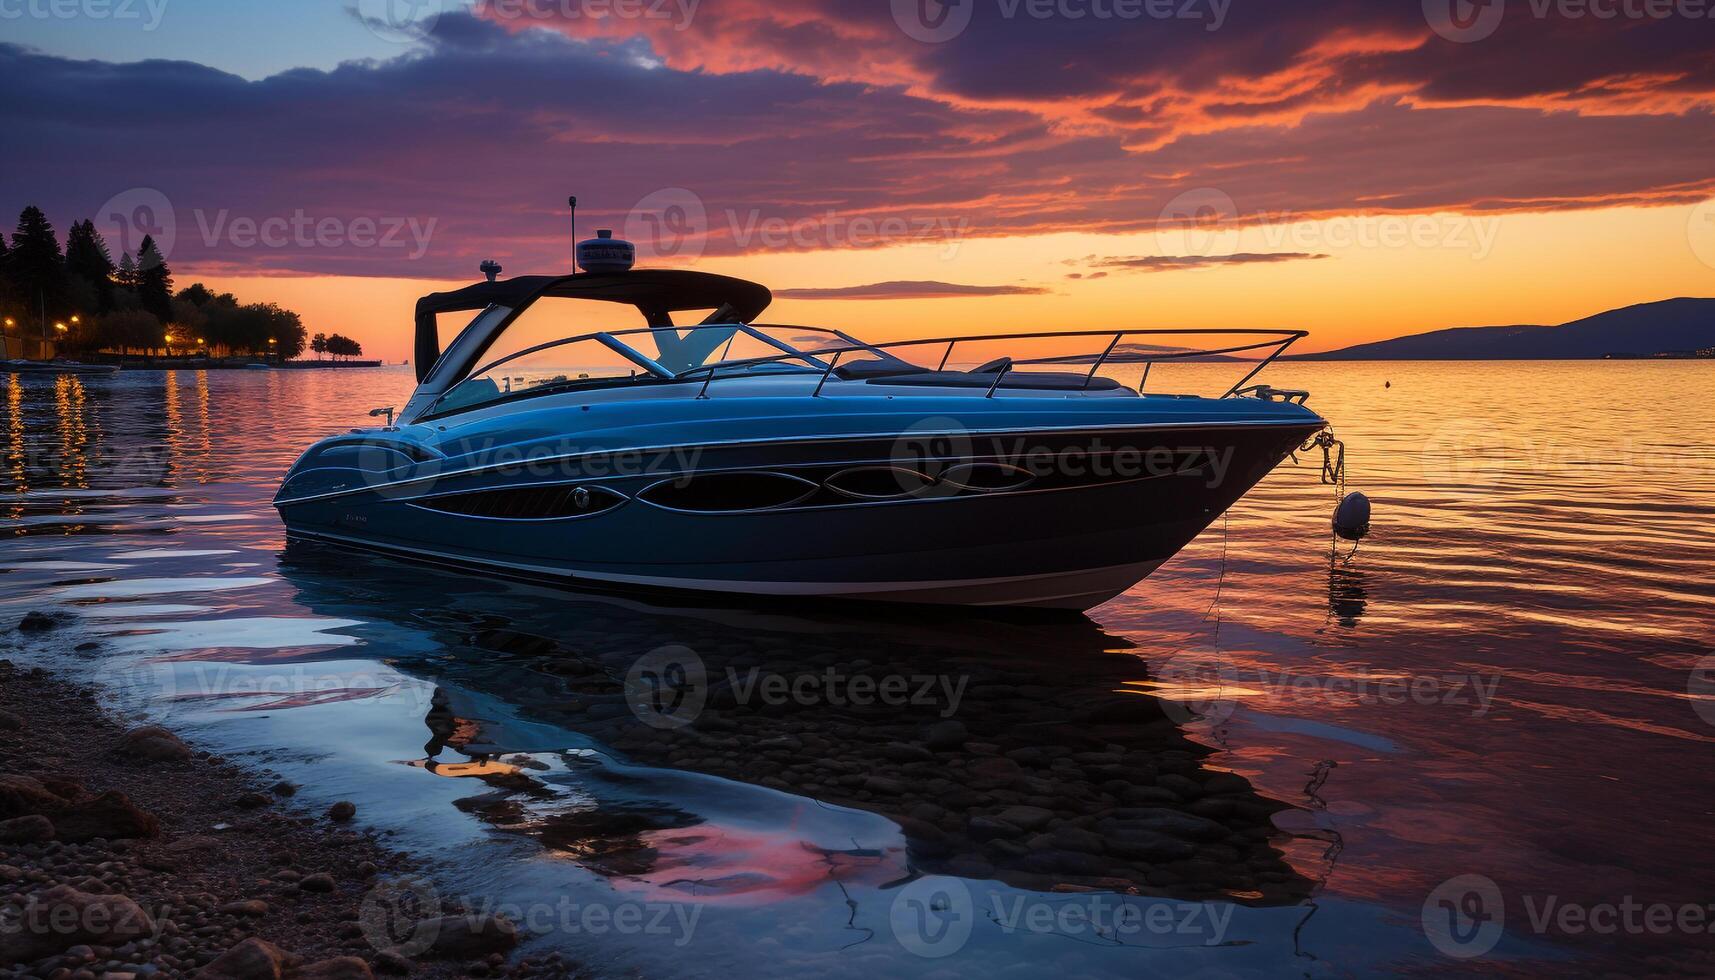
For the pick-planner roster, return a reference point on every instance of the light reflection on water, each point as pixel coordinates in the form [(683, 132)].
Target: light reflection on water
[(1499, 682)]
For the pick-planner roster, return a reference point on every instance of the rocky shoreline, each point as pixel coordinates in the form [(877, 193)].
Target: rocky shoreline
[(125, 853)]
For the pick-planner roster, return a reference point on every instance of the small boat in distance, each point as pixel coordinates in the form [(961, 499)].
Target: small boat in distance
[(742, 458), (56, 367)]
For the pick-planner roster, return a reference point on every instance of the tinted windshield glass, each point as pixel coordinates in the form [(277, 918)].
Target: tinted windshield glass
[(579, 363)]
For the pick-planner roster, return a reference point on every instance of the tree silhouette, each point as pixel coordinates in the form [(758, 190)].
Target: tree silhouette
[(125, 276), (37, 267), (129, 306), (250, 327), (90, 264), (319, 344), (126, 329), (154, 280), (9, 304), (340, 346), (196, 293)]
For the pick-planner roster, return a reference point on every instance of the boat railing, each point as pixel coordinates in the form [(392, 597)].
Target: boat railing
[(827, 359)]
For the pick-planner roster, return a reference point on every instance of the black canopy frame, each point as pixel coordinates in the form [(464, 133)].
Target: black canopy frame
[(656, 293)]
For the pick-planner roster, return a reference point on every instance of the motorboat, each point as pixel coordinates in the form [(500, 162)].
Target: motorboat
[(737, 457)]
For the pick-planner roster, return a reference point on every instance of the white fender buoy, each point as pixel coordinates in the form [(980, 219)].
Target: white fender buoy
[(1352, 516)]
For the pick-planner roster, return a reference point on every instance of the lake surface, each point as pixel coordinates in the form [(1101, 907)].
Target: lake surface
[(1481, 743)]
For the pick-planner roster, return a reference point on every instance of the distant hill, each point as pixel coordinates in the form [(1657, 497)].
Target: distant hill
[(1672, 326)]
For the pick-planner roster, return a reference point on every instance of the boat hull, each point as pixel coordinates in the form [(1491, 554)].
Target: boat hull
[(1065, 519)]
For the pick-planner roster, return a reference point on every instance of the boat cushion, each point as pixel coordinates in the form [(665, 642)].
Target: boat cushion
[(875, 367)]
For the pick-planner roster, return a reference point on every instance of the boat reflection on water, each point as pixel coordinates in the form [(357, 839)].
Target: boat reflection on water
[(1016, 750)]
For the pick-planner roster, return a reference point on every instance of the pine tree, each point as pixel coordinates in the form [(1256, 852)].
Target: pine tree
[(37, 267), (154, 280), (87, 258), (125, 276), (10, 303)]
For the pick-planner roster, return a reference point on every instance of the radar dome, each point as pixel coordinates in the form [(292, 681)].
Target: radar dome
[(605, 253)]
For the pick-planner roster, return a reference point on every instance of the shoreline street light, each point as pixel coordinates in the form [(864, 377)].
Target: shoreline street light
[(62, 328), (74, 319)]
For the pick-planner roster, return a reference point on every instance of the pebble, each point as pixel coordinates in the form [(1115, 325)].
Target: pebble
[(252, 907), (946, 735), (152, 743), (33, 829)]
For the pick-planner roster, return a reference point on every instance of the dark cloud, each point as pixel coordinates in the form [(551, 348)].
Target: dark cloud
[(816, 115), (907, 289), (1170, 263)]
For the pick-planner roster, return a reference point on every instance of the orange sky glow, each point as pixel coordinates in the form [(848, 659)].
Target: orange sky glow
[(1383, 277)]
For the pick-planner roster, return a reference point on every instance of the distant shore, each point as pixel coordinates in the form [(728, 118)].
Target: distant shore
[(220, 363), (1664, 356)]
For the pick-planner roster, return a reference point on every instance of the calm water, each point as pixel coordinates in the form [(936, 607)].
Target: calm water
[(1300, 751)]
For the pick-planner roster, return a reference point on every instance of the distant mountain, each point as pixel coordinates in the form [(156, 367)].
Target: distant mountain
[(1672, 326)]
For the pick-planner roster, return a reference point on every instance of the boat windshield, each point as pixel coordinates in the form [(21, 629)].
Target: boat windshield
[(650, 355)]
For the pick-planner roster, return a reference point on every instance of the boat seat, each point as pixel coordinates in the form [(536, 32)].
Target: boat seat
[(1025, 380)]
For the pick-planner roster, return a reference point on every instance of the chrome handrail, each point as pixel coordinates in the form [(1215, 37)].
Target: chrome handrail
[(827, 360), (1283, 339)]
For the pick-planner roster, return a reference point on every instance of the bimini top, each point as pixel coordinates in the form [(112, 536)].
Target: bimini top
[(657, 294)]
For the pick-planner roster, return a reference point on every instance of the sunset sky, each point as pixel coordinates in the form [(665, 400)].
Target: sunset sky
[(1360, 170)]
